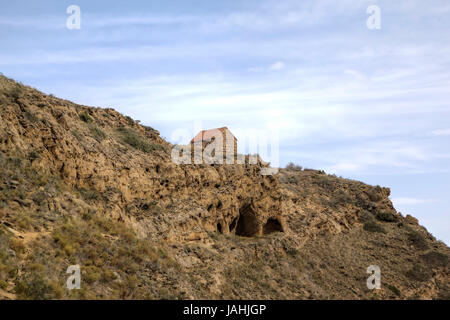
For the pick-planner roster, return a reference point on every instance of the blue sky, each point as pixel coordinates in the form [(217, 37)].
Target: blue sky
[(372, 105)]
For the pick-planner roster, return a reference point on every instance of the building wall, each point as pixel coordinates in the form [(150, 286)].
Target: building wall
[(226, 149)]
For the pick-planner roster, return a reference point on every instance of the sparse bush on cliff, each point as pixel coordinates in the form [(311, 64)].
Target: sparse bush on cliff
[(293, 167), (130, 120), (435, 259), (341, 198), (34, 286), (417, 240), (96, 132), (16, 92), (31, 117), (372, 226), (386, 216), (365, 216), (90, 195), (394, 289), (418, 273), (137, 141), (85, 117)]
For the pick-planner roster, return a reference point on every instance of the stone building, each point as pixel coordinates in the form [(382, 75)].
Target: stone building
[(221, 136)]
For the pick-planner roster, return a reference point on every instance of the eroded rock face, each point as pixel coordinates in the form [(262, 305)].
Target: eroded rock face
[(87, 149)]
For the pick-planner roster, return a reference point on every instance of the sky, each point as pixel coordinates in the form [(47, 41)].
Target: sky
[(362, 103)]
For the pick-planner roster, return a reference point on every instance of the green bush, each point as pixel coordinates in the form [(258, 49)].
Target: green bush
[(435, 259), (417, 240), (39, 197), (31, 117), (340, 199), (365, 216), (372, 226), (90, 195), (386, 216), (3, 284), (85, 117), (96, 132), (418, 273), (16, 92), (375, 194), (33, 155), (294, 180), (138, 142), (293, 167), (34, 287), (394, 289), (130, 120)]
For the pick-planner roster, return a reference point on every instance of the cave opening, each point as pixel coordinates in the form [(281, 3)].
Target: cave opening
[(272, 225), (247, 224), (219, 227), (233, 224)]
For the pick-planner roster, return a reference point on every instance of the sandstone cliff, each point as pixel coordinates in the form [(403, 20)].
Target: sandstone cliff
[(89, 186)]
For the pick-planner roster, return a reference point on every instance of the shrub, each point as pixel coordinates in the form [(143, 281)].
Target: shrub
[(31, 117), (293, 167), (97, 133), (341, 198), (77, 135), (325, 182), (90, 195), (435, 259), (386, 216), (3, 284), (16, 92), (33, 155), (294, 179), (372, 226), (418, 273), (39, 197), (33, 287), (130, 120), (3, 100), (365, 216), (417, 240), (394, 289), (138, 142), (375, 194), (85, 117)]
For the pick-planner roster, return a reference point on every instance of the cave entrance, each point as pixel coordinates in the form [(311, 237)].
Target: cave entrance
[(247, 224), (233, 224), (272, 225)]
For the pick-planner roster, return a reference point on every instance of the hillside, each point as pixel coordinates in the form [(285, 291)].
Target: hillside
[(89, 186)]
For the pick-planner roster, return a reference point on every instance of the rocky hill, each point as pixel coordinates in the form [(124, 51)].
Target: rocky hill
[(89, 186)]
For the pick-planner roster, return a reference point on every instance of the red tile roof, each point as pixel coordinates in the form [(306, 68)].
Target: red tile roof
[(206, 135)]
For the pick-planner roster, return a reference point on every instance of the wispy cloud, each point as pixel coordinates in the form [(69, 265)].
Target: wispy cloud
[(441, 132), (411, 201)]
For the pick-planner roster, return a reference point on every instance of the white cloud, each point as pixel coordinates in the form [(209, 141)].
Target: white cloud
[(441, 132), (277, 66), (411, 201)]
